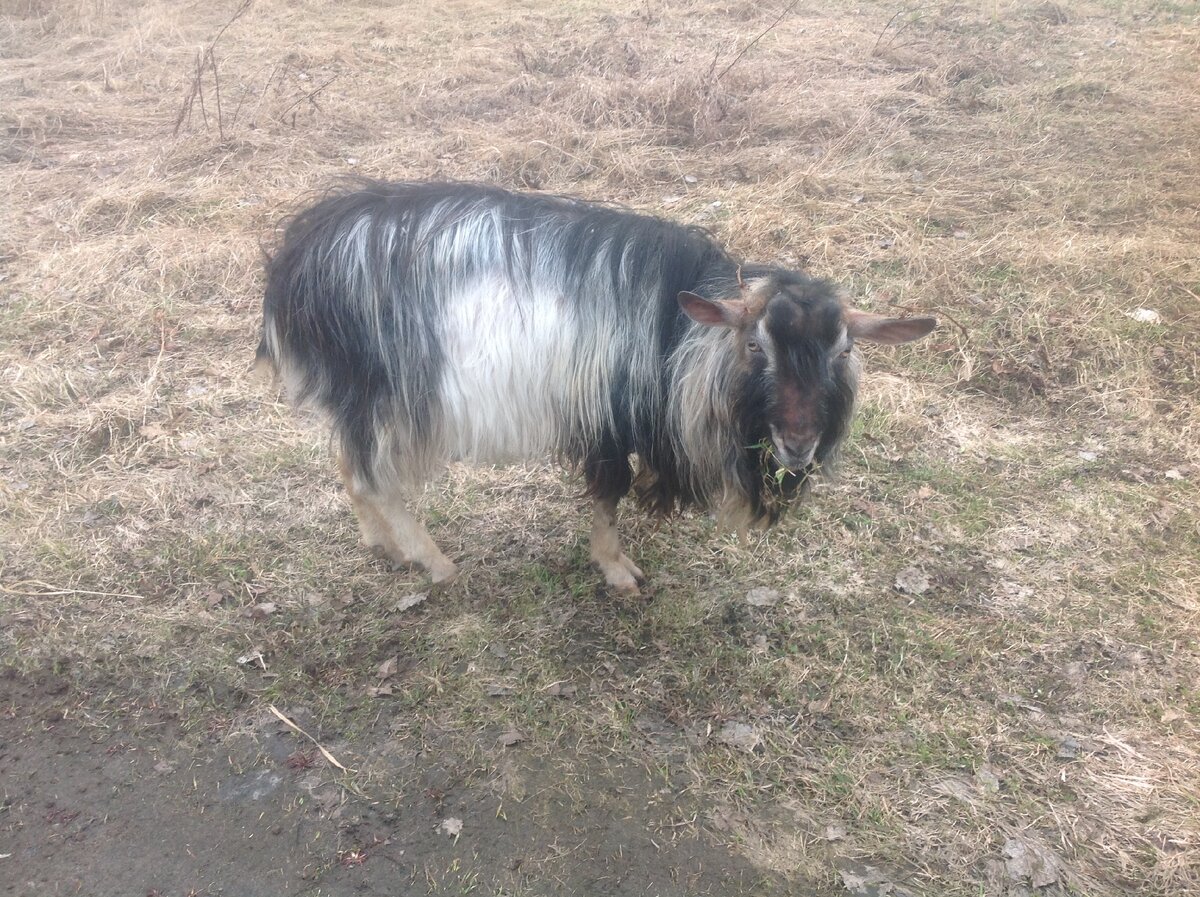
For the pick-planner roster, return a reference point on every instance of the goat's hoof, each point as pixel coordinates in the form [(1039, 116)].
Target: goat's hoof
[(619, 578), (443, 572), (632, 569)]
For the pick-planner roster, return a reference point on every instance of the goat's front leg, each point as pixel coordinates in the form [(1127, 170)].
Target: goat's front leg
[(619, 571)]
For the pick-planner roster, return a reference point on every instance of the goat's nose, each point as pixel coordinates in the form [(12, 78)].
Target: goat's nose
[(798, 452)]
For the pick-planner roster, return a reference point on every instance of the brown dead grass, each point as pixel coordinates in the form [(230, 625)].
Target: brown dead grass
[(1026, 171)]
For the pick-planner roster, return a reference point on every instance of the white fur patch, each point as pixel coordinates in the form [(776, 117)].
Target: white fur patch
[(504, 376)]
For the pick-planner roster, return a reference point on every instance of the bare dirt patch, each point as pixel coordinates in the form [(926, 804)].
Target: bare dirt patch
[(144, 809)]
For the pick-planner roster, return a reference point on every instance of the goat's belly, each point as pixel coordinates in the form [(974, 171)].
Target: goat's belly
[(497, 419)]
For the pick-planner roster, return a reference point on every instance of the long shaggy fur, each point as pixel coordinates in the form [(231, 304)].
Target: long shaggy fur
[(435, 322)]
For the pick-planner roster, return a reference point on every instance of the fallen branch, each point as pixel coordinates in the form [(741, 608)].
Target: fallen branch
[(48, 591), (309, 96), (915, 13), (206, 59), (761, 35), (320, 747)]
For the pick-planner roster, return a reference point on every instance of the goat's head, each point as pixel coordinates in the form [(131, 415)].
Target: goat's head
[(795, 349)]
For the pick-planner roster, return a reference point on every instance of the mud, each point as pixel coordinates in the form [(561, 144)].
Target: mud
[(91, 806)]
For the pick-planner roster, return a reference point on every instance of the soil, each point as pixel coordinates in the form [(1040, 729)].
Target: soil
[(91, 808)]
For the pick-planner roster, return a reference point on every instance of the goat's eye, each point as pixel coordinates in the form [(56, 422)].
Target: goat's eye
[(753, 345), (845, 353)]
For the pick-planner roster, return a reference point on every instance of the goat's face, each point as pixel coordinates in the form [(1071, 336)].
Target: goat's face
[(795, 347)]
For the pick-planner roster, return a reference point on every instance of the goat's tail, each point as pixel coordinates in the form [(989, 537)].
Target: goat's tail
[(264, 364)]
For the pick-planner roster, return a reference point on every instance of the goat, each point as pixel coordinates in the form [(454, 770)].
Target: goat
[(438, 322)]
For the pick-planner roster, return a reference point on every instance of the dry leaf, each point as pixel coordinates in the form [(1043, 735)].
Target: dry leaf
[(987, 779), (561, 690), (867, 508), (739, 735), (388, 668), (867, 881), (762, 597), (1144, 316), (410, 601), (452, 827), (562, 617), (495, 690), (1026, 860), (260, 611), (912, 581), (509, 738), (379, 691), (834, 832), (252, 657)]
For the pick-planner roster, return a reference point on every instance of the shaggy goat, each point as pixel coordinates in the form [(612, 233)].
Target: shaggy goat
[(437, 322)]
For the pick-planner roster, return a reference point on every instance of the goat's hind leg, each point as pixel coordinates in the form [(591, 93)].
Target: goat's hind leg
[(371, 524), (388, 525)]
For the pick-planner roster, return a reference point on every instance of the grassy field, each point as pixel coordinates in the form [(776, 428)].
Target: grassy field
[(976, 669)]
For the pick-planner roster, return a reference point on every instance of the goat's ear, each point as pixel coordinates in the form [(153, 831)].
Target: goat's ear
[(712, 312), (889, 331)]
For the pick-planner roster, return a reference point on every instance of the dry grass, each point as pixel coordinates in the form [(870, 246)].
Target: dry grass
[(1026, 170)]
